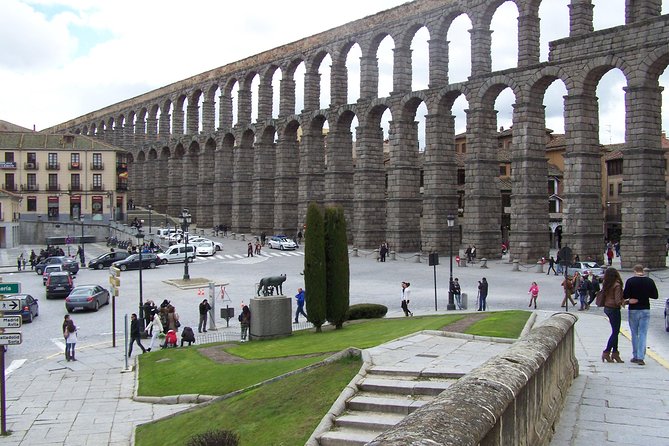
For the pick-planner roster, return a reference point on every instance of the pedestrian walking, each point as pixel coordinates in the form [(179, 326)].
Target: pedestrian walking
[(135, 335), (70, 335), (300, 305), (406, 298), (483, 294), (609, 255), (568, 286), (155, 327), (457, 293), (639, 289), (611, 298), (383, 252), (534, 294), (584, 292), (245, 320), (204, 308), (19, 261), (594, 289), (551, 266), (249, 250), (33, 258)]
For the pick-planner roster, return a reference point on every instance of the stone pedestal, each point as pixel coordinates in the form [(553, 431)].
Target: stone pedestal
[(271, 317)]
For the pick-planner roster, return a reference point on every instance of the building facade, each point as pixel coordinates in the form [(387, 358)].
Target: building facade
[(63, 177)]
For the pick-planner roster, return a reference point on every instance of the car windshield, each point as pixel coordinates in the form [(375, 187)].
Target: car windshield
[(133, 257), (81, 291)]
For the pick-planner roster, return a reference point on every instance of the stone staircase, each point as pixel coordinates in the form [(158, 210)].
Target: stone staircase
[(385, 396)]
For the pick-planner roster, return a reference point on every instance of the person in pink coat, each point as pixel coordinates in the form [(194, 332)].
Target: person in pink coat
[(534, 293)]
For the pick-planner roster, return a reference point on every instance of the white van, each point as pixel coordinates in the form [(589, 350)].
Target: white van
[(177, 254), (165, 233)]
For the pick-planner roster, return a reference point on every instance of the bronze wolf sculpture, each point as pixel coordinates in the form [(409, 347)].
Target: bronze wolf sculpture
[(271, 284)]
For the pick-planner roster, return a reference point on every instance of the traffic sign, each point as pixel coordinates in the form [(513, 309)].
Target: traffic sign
[(10, 338), (116, 281), (9, 304), (11, 321), (113, 271), (10, 288), (114, 291)]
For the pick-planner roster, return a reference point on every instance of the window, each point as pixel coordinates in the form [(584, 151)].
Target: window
[(52, 161), (97, 161), (74, 161), (32, 204), (502, 171), (620, 188), (552, 206), (611, 190), (464, 147), (97, 181), (32, 181), (461, 176), (9, 157), (32, 157), (615, 167), (53, 181), (75, 182), (53, 208), (9, 182)]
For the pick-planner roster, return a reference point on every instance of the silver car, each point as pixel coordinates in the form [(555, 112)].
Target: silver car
[(282, 243), (86, 297)]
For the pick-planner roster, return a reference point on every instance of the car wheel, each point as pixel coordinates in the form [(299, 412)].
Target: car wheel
[(39, 271), (152, 265), (123, 267), (47, 296), (218, 248), (164, 262), (281, 247), (69, 309), (30, 316), (666, 322), (100, 266), (97, 305)]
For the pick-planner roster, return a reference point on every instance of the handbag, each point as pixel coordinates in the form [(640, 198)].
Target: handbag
[(600, 299)]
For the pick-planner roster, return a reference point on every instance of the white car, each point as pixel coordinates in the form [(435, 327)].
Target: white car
[(204, 248), (218, 246), (282, 243)]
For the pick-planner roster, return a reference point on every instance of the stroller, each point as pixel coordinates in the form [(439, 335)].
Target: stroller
[(170, 339)]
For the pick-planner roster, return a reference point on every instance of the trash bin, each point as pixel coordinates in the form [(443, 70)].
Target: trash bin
[(463, 300)]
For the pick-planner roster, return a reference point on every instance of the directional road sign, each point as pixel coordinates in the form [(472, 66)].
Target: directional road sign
[(11, 321), (10, 338), (114, 281), (10, 288), (9, 304)]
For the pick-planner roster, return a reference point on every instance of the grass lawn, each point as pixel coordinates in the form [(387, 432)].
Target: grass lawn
[(284, 412), (506, 324)]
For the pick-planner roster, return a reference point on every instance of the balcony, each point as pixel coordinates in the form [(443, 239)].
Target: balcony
[(7, 165), (97, 166), (98, 187), (30, 187), (9, 186), (121, 187), (53, 187), (53, 166), (75, 166), (74, 187), (34, 165)]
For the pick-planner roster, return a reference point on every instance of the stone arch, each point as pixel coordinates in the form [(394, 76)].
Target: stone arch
[(653, 64)]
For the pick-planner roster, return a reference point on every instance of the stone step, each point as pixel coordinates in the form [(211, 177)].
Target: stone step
[(386, 404), (416, 372), (370, 421), (347, 437), (404, 387)]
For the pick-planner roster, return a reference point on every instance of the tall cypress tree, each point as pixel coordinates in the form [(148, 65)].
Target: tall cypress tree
[(337, 271), (314, 266)]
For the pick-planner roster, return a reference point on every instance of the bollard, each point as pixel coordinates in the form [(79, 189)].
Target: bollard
[(463, 300), (392, 255), (242, 237), (233, 235), (516, 265), (355, 252), (377, 255), (484, 263), (540, 266), (417, 259)]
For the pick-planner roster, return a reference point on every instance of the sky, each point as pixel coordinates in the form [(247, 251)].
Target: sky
[(60, 59)]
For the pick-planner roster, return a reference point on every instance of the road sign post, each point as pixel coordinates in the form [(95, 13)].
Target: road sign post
[(10, 288), (7, 339), (115, 281)]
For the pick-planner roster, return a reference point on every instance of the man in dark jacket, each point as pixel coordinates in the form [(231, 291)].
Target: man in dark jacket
[(483, 294), (204, 309), (134, 334), (300, 304), (638, 290)]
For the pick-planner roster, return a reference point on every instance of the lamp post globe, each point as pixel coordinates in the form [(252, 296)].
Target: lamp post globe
[(451, 223)]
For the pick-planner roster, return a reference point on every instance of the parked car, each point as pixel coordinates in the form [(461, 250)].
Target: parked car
[(59, 284), (50, 269), (67, 262), (87, 297), (281, 242), (164, 233), (28, 309), (666, 315), (106, 260), (177, 254), (149, 260), (204, 248), (587, 267)]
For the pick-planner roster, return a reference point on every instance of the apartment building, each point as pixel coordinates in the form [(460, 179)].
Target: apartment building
[(63, 177)]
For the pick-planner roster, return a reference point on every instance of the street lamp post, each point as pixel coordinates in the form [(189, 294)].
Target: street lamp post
[(82, 257), (185, 221), (451, 222), (140, 241), (150, 218)]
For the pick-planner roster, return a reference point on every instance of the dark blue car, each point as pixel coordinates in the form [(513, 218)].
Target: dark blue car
[(28, 309)]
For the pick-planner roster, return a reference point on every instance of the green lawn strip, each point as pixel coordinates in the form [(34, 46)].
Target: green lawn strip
[(186, 371), (360, 334), (503, 324), (283, 412)]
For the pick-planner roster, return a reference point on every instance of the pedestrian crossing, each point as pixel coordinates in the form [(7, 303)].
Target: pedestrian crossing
[(241, 256)]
